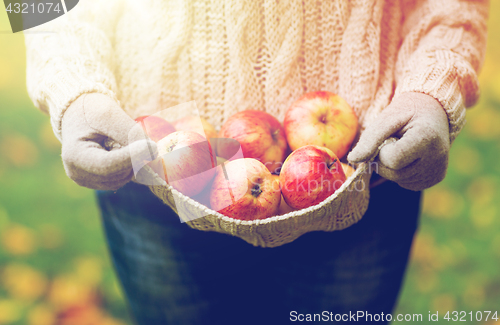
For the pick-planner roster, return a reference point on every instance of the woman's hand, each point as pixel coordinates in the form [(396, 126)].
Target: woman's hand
[(419, 157), (89, 125)]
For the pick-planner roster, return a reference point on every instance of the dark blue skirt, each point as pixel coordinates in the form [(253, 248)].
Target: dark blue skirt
[(172, 274)]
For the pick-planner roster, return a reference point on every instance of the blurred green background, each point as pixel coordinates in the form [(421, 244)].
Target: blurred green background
[(54, 265)]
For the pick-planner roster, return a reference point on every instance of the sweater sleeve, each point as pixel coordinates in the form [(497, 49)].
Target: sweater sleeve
[(444, 42), (71, 55)]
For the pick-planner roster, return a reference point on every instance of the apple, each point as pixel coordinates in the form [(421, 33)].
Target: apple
[(196, 124), (260, 135), (321, 118), (157, 166), (245, 189), (155, 127), (220, 160), (348, 169), (310, 175), (283, 208), (204, 196), (187, 161)]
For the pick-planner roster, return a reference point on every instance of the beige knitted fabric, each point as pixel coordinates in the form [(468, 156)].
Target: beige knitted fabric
[(232, 55)]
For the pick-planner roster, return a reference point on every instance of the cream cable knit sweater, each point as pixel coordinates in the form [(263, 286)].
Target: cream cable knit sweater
[(232, 55)]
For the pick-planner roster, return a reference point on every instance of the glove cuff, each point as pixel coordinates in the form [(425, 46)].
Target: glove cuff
[(445, 82), (64, 89)]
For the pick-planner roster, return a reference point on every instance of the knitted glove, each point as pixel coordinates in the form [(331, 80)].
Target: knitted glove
[(89, 125), (418, 159)]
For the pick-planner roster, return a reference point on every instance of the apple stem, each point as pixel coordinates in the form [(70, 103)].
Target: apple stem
[(256, 190), (332, 164), (169, 149)]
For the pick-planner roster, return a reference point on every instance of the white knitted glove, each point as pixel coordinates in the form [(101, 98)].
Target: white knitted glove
[(89, 125), (419, 157)]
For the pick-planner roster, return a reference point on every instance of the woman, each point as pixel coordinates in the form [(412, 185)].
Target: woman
[(408, 68)]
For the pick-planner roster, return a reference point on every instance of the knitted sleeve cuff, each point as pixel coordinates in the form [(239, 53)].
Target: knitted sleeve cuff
[(63, 89), (450, 80)]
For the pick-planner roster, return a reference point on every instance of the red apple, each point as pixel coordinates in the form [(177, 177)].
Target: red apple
[(283, 208), (249, 192), (155, 127), (310, 175), (187, 160), (260, 135), (321, 118)]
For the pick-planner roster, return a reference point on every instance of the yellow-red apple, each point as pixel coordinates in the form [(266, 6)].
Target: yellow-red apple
[(310, 175), (187, 161), (284, 208), (260, 135), (244, 189), (155, 127), (321, 118)]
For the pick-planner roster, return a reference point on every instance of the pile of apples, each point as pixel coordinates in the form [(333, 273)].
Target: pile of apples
[(280, 168)]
